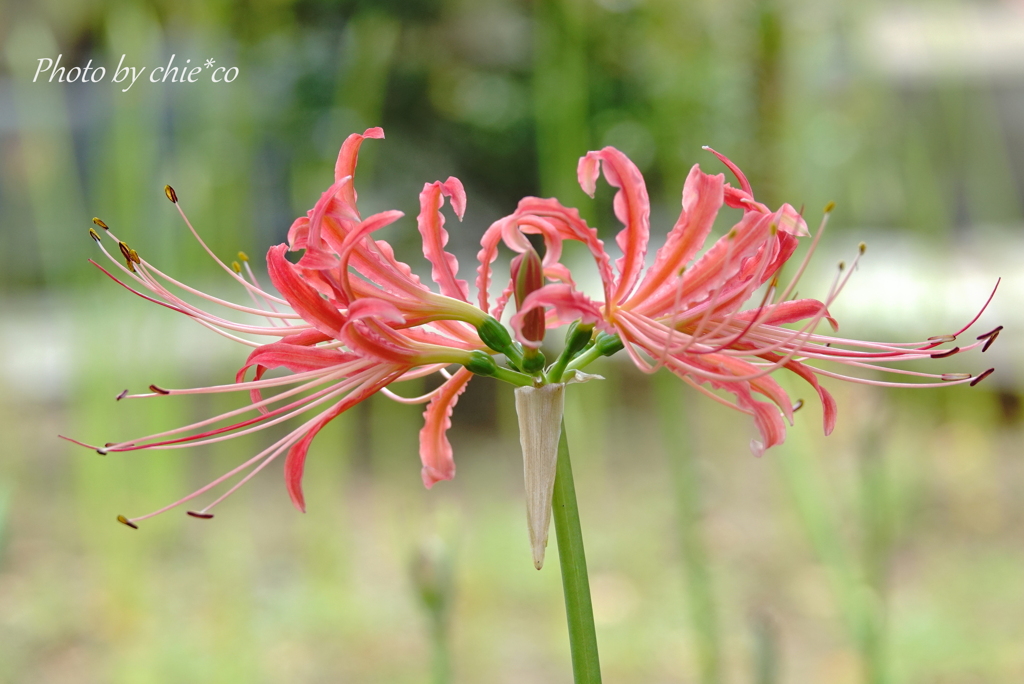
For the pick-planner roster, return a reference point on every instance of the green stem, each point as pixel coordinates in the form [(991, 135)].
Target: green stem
[(579, 612), (586, 358)]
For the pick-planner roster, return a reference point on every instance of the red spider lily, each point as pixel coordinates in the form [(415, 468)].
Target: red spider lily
[(685, 314), (351, 320), (358, 321)]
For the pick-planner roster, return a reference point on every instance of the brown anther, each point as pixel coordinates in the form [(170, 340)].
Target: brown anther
[(134, 256), (942, 338), (202, 516), (773, 230), (171, 195), (94, 235), (100, 223), (158, 390), (243, 256), (109, 444), (951, 377), (863, 247), (942, 355), (981, 377), (798, 405), (101, 451), (125, 521), (131, 266), (236, 267), (126, 251), (990, 333), (829, 207), (122, 395)]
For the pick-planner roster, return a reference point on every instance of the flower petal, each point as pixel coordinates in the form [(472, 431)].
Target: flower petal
[(632, 208), (435, 449), (431, 224), (301, 296), (789, 312), (702, 198), (715, 269), (346, 164)]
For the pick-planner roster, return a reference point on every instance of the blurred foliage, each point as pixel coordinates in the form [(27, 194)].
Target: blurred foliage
[(506, 94)]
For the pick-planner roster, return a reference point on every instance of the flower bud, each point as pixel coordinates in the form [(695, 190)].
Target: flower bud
[(528, 276), (608, 344), (494, 335), (577, 337), (481, 363)]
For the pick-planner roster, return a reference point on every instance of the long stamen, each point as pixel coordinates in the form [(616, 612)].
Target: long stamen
[(227, 269)]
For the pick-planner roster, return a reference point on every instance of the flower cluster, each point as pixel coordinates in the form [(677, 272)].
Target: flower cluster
[(349, 319)]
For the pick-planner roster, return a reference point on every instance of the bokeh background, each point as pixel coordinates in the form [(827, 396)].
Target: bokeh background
[(892, 551)]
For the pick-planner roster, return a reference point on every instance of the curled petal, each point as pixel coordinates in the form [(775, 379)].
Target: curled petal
[(435, 449), (486, 256), (346, 164), (744, 183), (632, 208), (587, 172), (453, 189), (435, 237)]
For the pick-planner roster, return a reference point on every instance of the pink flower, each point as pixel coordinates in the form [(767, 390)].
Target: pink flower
[(344, 334), (351, 320), (685, 313)]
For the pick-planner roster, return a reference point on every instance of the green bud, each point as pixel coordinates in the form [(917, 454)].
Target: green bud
[(481, 363), (494, 335), (576, 338), (608, 344)]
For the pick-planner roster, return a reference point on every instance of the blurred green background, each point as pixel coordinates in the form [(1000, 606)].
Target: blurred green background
[(890, 552)]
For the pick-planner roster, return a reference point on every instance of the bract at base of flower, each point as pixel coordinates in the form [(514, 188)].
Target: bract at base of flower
[(540, 424)]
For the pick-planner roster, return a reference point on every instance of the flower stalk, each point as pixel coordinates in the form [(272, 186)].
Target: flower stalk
[(579, 610)]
